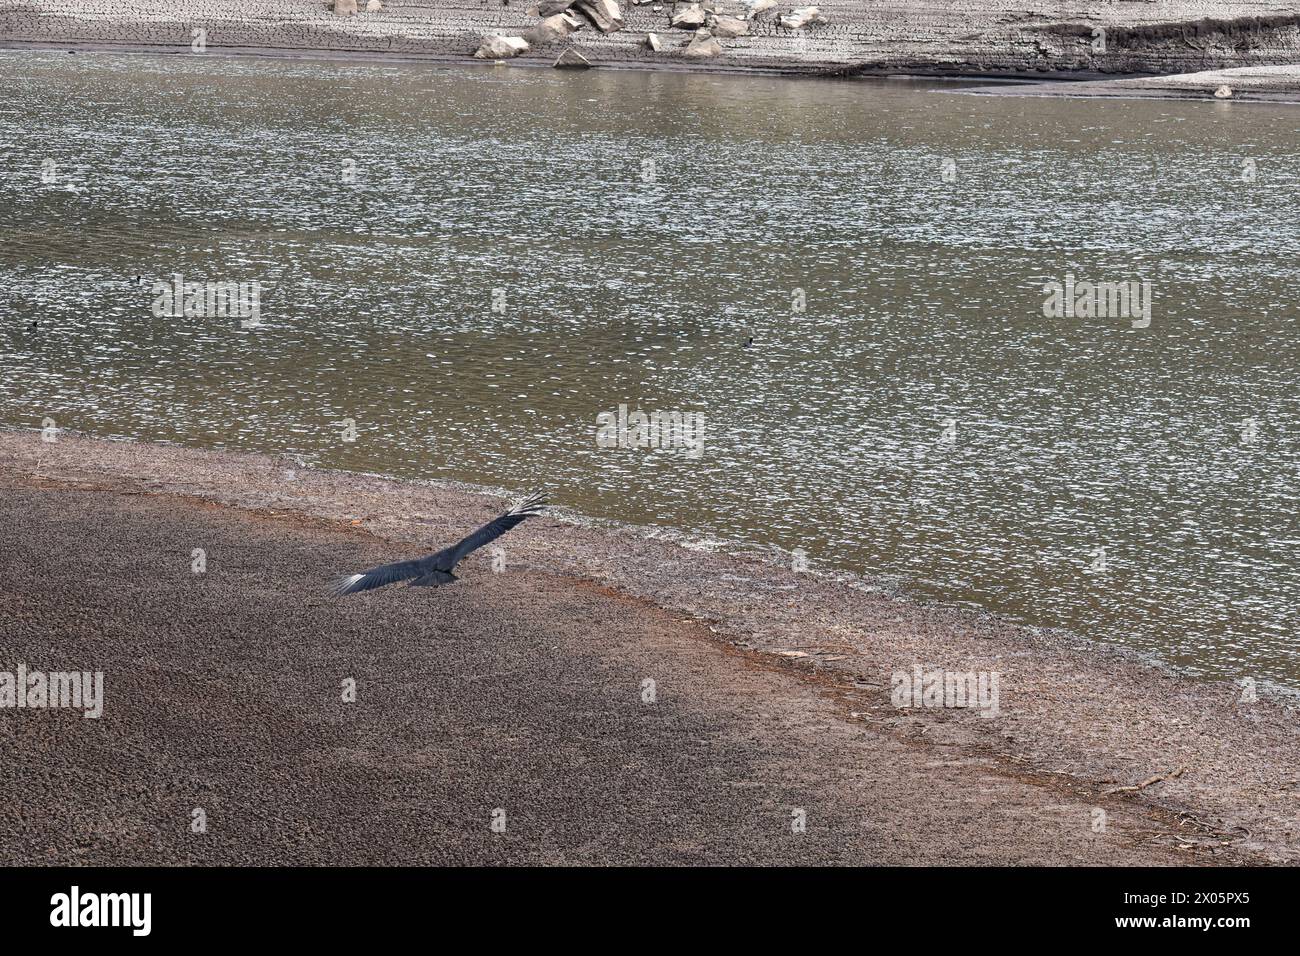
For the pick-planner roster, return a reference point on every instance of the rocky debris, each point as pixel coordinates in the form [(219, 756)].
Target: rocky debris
[(702, 45), (1223, 93), (754, 7), (571, 59), (604, 14), (345, 8), (653, 42), (800, 17), (500, 48), (691, 18), (549, 8), (727, 27), (552, 29)]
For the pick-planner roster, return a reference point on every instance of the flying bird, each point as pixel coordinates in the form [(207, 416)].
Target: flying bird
[(436, 569)]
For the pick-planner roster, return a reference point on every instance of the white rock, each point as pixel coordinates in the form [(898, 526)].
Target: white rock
[(754, 7), (605, 14), (723, 26), (1223, 93), (800, 17), (571, 59), (552, 28), (500, 48), (345, 8), (688, 19), (653, 42), (703, 44), (373, 6)]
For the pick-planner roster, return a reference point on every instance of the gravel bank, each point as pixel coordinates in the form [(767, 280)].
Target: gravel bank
[(524, 691)]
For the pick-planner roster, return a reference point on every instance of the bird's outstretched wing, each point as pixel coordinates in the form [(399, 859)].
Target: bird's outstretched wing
[(530, 506), (379, 577), (435, 568)]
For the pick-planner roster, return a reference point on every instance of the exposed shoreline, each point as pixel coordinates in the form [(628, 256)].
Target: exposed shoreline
[(1278, 85), (1076, 720), (1037, 40)]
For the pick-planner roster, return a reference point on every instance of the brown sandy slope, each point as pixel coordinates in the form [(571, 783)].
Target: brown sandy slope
[(523, 691)]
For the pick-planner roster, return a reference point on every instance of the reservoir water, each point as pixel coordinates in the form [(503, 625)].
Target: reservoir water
[(458, 271)]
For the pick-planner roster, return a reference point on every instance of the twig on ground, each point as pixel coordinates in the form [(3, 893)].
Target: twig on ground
[(1148, 782)]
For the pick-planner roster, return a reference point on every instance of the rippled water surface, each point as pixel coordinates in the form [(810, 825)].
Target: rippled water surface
[(523, 249)]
